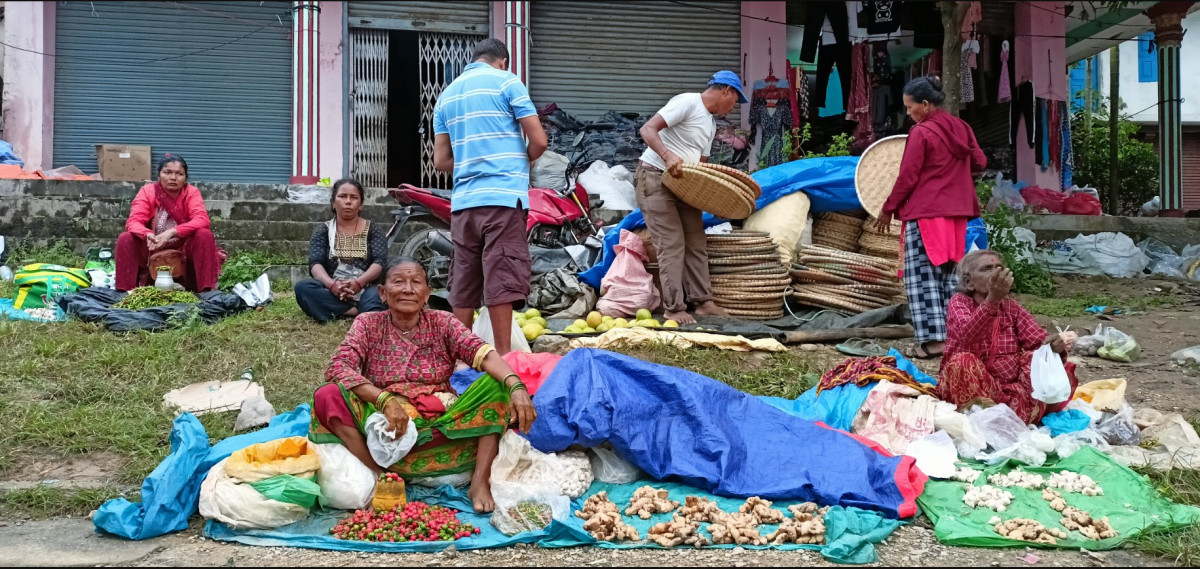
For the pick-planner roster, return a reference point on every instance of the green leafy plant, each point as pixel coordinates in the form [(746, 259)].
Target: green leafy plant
[(23, 252), (1138, 175), (248, 265), (1029, 277)]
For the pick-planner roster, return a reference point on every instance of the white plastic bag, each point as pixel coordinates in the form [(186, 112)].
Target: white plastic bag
[(608, 466), (935, 454), (1067, 443), (568, 472), (483, 329), (521, 507), (998, 425), (549, 171), (1152, 207), (967, 440), (385, 448), (1005, 194), (1049, 377), (1031, 449), (240, 506), (346, 483), (617, 192), (1119, 428)]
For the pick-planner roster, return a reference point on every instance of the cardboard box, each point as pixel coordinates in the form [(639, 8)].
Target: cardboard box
[(119, 162)]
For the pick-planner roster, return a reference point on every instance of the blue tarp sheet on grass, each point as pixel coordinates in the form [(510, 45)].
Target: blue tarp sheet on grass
[(829, 183), (679, 425)]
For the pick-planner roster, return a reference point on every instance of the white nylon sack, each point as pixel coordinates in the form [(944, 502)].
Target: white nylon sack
[(1049, 377), (385, 448), (1116, 253), (785, 220), (240, 506), (346, 483), (549, 171), (483, 329)]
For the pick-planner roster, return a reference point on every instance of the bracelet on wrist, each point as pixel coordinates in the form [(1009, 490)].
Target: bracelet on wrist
[(382, 400), (518, 386), (504, 380)]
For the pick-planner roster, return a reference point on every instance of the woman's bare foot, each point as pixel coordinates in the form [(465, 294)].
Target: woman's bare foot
[(481, 496), (680, 317), (710, 308)]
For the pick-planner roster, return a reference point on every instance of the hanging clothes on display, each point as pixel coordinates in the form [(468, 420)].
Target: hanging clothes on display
[(927, 25), (794, 94), (1023, 107), (859, 106), (834, 47), (770, 114), (1004, 94), (881, 88), (1067, 160), (880, 16)]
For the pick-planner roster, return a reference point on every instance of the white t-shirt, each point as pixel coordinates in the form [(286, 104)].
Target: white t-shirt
[(689, 133)]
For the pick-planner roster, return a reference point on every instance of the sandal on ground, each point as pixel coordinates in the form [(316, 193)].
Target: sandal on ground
[(861, 347), (920, 353)]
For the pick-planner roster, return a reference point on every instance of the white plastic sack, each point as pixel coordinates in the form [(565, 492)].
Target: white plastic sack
[(549, 171), (1085, 408), (1049, 377), (567, 473), (998, 425), (1116, 253), (616, 192), (1152, 207), (1191, 262), (1031, 449), (1066, 444), (346, 483), (608, 466), (521, 508), (483, 329), (255, 411), (240, 506), (1187, 355), (935, 454), (784, 220), (385, 448)]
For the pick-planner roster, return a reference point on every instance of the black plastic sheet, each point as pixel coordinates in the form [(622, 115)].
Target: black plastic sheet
[(95, 305)]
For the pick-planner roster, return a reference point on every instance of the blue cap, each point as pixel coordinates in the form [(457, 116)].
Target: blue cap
[(730, 78)]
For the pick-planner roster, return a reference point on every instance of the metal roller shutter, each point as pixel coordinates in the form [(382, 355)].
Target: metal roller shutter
[(212, 84), (594, 57), (1191, 170), (421, 16)]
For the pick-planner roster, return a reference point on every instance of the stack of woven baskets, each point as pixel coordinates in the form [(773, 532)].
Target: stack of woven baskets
[(749, 280), (836, 231), (878, 244), (829, 278), (722, 191)]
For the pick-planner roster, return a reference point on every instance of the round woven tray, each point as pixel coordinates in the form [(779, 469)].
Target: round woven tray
[(868, 226), (744, 178), (738, 260), (879, 242), (747, 191), (834, 217), (877, 171), (810, 275), (740, 295), (738, 234), (707, 191), (757, 269), (848, 293), (836, 241), (741, 247), (861, 274), (729, 281), (828, 227), (755, 314), (873, 265), (830, 302), (855, 258)]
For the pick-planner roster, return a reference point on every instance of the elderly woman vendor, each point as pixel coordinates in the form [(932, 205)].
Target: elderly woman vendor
[(399, 362), (990, 341)]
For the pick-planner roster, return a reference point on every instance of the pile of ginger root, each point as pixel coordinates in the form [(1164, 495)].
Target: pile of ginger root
[(603, 520), (678, 531), (761, 510), (698, 509), (647, 501), (1076, 519)]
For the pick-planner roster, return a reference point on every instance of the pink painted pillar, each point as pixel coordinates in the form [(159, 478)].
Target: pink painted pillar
[(331, 93), (305, 89), (1039, 55), (764, 26), (29, 82)]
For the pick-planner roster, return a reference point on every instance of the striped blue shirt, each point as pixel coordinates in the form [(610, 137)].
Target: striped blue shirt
[(479, 111)]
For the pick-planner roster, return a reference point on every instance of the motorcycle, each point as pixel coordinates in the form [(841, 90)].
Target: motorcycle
[(558, 217)]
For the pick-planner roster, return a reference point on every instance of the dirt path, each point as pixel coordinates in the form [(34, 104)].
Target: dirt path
[(73, 542)]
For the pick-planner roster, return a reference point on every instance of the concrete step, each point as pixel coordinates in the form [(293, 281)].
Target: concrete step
[(110, 228), (127, 190), (13, 209)]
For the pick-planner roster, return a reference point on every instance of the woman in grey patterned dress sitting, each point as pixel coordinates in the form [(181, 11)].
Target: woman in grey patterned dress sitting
[(345, 257)]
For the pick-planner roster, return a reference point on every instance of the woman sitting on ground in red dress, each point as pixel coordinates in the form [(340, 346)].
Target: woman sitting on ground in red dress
[(167, 219), (990, 342)]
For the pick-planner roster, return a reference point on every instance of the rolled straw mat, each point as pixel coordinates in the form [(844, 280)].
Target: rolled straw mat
[(877, 171)]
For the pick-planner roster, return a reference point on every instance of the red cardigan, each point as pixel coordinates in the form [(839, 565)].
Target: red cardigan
[(144, 206), (935, 172)]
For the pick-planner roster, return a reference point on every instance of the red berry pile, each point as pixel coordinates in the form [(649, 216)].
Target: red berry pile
[(389, 477), (416, 521)]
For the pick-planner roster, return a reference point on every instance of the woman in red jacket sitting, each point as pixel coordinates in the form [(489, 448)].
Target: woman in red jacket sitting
[(934, 196), (168, 215)]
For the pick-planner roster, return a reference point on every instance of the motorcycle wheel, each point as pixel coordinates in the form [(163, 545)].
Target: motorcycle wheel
[(437, 266)]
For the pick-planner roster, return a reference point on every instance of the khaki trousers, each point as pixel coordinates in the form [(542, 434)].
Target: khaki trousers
[(678, 234)]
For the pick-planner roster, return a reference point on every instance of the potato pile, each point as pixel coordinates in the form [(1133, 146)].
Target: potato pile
[(603, 520), (647, 501), (678, 531), (1025, 529)]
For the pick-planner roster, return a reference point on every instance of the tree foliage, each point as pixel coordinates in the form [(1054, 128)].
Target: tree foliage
[(1137, 179)]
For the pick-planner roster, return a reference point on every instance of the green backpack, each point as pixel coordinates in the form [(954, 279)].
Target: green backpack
[(40, 283)]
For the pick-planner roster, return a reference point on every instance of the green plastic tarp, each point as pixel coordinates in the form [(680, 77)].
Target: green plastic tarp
[(1130, 502), (291, 489)]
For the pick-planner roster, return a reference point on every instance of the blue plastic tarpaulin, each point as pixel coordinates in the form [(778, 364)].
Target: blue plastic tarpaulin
[(678, 425), (9, 156), (851, 532), (828, 182), (171, 494)]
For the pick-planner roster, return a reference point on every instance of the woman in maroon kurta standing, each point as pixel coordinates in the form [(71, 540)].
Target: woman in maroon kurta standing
[(168, 215)]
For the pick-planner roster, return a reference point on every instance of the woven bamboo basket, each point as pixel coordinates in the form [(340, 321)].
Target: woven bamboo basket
[(711, 191), (877, 170), (745, 179)]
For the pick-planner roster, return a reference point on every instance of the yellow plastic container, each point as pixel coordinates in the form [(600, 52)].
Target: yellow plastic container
[(389, 494)]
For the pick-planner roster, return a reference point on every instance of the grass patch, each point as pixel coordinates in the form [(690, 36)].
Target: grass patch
[(783, 374), (81, 388), (1182, 486), (1078, 304), (23, 252), (50, 502)]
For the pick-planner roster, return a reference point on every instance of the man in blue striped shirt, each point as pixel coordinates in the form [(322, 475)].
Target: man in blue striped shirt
[(480, 126)]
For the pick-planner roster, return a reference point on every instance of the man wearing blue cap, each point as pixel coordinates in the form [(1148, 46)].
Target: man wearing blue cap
[(682, 133)]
